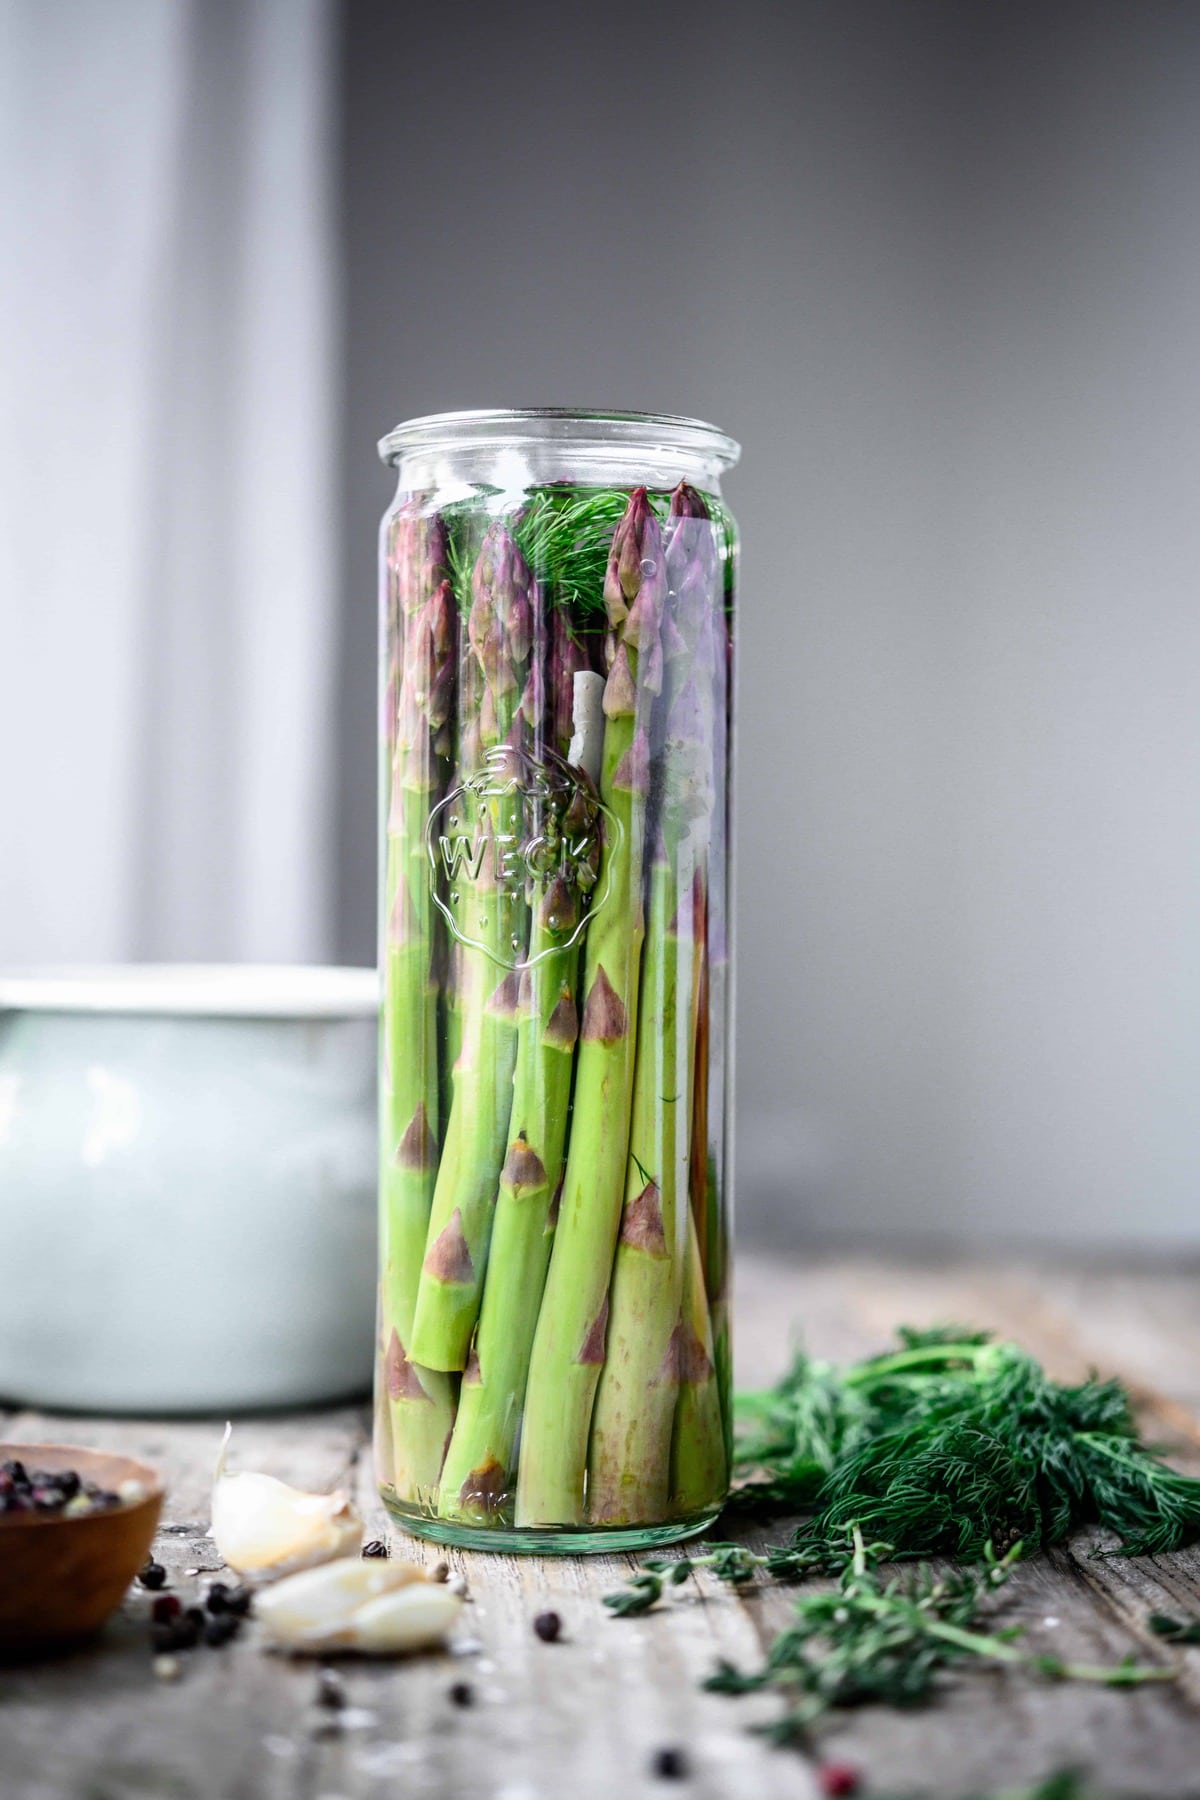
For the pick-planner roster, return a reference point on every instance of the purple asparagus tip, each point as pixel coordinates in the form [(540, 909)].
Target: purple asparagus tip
[(629, 546), (686, 503)]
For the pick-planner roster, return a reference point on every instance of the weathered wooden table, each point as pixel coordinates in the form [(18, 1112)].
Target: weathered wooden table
[(584, 1717)]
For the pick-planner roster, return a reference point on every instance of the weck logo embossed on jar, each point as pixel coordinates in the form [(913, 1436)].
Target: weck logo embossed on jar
[(521, 839)]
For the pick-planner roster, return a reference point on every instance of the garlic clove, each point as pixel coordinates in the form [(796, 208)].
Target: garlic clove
[(263, 1527), (408, 1619), (318, 1604), (320, 1618)]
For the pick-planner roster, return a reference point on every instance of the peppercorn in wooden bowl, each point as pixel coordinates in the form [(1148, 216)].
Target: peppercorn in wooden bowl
[(75, 1527)]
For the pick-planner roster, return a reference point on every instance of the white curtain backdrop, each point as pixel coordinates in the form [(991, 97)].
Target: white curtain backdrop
[(168, 362)]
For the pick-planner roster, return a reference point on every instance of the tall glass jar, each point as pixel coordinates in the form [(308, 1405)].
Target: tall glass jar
[(556, 684)]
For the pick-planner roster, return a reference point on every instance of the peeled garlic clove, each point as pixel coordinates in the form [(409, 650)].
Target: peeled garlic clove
[(317, 1620), (263, 1527), (408, 1619), (315, 1606)]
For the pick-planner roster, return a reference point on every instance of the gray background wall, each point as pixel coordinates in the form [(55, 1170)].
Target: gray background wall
[(938, 267)]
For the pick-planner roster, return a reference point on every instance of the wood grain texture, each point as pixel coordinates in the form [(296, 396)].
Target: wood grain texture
[(584, 1717)]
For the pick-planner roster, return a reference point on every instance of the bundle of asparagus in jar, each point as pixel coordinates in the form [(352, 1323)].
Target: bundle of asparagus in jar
[(553, 1348)]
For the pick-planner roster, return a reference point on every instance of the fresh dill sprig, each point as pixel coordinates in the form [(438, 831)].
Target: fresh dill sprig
[(564, 533), (466, 521), (951, 1441)]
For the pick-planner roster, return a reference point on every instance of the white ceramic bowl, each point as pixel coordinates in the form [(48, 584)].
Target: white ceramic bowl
[(187, 1187)]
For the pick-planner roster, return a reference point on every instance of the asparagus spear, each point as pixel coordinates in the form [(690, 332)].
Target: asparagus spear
[(479, 1477), (416, 561), (499, 630), (699, 1456), (569, 1341), (709, 1126), (417, 708), (629, 1456), (714, 1151), (698, 1182)]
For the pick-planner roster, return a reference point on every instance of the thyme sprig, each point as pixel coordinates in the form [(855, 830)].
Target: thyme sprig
[(870, 1639), (887, 1641), (734, 1563), (1175, 1631)]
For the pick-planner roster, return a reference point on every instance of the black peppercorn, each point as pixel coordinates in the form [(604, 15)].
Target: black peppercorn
[(177, 1634), (219, 1630), (548, 1626), (330, 1691), (462, 1694), (217, 1598), (669, 1764), (153, 1575)]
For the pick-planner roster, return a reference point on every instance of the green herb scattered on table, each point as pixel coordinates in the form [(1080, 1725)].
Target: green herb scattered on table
[(954, 1440), (950, 1444), (1064, 1784), (1175, 1631), (872, 1640)]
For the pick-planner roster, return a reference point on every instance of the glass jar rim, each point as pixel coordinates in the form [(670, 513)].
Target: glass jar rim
[(517, 426)]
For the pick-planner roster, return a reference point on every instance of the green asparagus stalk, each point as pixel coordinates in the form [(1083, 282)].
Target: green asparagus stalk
[(416, 561), (699, 1456), (629, 1452), (478, 1481), (418, 703), (698, 1183), (569, 1342), (629, 1456), (709, 1125), (714, 1148), (460, 1223), (469, 757)]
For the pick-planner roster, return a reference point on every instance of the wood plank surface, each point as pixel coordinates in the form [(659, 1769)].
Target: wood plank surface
[(584, 1718)]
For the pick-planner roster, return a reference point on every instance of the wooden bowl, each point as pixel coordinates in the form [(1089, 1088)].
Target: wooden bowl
[(60, 1577)]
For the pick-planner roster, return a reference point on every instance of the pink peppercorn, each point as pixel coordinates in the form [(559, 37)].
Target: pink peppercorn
[(838, 1779)]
